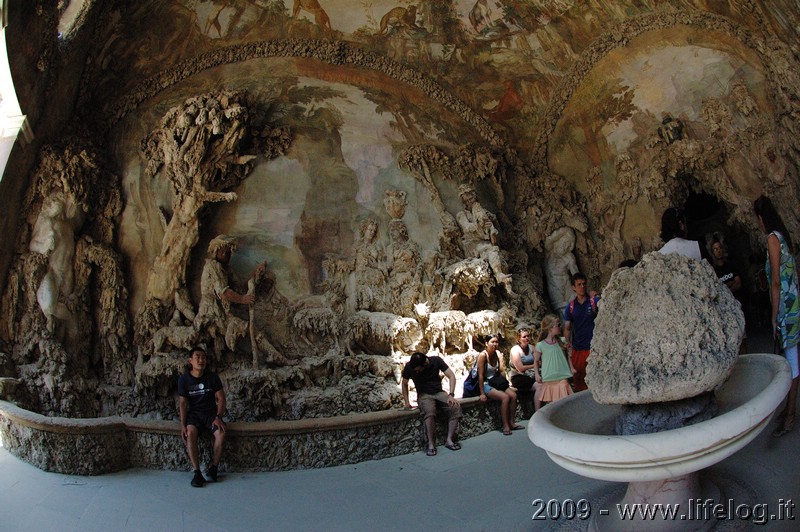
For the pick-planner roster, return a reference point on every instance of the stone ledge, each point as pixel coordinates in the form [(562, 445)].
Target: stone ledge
[(92, 446)]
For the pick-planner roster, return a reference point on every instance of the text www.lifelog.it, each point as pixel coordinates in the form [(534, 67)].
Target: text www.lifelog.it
[(695, 509)]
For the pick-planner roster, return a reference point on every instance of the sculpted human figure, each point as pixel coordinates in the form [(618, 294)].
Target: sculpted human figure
[(405, 277), (671, 130), (480, 235), (54, 237), (216, 295), (370, 269), (480, 16), (559, 266)]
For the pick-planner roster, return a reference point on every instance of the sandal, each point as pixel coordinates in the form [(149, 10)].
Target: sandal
[(431, 452), (786, 426), (506, 432), (517, 427), (455, 447)]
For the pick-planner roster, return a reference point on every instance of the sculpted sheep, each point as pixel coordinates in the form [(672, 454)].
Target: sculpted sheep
[(179, 336), (374, 332), (439, 326), (486, 322), (314, 316)]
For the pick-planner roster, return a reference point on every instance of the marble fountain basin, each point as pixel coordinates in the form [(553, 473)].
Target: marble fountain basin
[(578, 433)]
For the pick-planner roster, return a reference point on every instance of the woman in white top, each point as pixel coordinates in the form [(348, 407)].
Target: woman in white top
[(673, 232), (489, 364)]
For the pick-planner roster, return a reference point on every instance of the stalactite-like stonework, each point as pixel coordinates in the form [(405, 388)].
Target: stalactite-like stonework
[(379, 289), (65, 306)]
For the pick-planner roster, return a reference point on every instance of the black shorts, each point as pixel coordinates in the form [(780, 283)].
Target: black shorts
[(202, 421), (523, 383)]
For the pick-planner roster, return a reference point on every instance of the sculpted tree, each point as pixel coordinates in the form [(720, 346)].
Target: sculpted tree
[(200, 149), (197, 145)]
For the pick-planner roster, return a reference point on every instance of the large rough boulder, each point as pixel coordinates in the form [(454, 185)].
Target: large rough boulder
[(667, 329)]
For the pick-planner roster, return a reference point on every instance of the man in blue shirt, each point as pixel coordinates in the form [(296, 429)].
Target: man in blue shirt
[(579, 327)]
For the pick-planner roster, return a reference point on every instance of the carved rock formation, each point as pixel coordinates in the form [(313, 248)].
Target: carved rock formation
[(667, 329)]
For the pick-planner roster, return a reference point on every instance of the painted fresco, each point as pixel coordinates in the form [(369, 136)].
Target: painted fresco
[(624, 100), (502, 58), (296, 209)]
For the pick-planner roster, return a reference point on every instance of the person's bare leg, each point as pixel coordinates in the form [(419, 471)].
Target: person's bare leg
[(452, 426), (786, 417), (219, 444), (497, 395), (537, 396), (512, 407), (191, 446), (430, 425), (791, 403)]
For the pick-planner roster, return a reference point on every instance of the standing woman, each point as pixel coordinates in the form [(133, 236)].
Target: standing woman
[(490, 365), (673, 233), (782, 277)]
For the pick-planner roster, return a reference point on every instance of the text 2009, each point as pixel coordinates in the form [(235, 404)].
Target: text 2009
[(567, 509)]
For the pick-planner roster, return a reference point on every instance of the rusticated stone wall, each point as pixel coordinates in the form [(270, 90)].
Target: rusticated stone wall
[(103, 445)]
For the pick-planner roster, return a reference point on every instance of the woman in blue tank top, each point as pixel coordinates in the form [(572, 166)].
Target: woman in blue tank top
[(782, 276)]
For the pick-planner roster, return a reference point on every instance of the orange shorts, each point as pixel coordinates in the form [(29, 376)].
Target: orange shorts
[(579, 358)]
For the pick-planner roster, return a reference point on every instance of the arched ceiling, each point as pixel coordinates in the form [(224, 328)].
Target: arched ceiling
[(507, 64)]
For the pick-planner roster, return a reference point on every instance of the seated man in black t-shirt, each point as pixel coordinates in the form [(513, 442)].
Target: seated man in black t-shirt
[(424, 371), (202, 404)]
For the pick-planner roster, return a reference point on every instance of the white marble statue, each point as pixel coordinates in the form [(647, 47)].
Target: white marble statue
[(54, 237), (559, 266)]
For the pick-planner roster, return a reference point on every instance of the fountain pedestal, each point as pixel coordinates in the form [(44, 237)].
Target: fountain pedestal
[(578, 434)]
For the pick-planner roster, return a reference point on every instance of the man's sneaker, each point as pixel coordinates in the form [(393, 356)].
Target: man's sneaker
[(197, 479), (212, 473)]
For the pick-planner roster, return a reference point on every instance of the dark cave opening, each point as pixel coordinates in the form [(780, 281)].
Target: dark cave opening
[(706, 218)]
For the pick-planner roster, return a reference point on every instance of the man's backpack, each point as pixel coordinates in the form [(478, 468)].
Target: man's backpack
[(592, 302)]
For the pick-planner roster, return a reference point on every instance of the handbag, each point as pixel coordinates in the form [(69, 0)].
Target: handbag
[(498, 382), (471, 382)]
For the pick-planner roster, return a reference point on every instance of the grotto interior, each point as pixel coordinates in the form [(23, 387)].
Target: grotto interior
[(383, 177)]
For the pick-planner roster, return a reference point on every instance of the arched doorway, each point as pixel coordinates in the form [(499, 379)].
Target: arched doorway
[(707, 219)]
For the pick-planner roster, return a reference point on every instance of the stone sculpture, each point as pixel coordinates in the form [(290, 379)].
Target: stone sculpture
[(54, 237), (405, 272), (369, 268), (701, 328), (560, 264), (487, 321), (194, 141), (671, 130), (214, 315), (439, 326), (479, 228), (382, 333)]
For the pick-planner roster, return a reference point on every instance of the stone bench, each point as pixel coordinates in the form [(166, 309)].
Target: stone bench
[(92, 446)]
